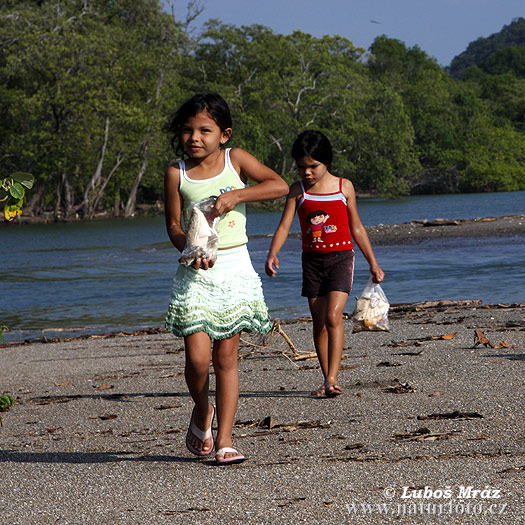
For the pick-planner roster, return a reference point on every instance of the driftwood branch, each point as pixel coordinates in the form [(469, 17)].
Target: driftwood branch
[(277, 328)]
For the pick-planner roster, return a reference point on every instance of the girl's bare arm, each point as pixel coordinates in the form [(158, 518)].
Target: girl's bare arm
[(359, 233), (269, 185), (173, 208), (281, 234)]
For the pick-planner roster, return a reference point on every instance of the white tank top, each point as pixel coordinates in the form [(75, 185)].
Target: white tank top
[(232, 226)]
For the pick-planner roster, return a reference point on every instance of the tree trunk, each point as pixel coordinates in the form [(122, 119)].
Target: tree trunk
[(283, 155), (33, 204), (92, 184), (58, 202), (129, 210), (102, 189), (68, 196), (116, 202)]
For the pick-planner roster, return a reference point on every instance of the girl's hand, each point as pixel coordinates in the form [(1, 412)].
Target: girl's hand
[(226, 202), (203, 263), (377, 274), (272, 265)]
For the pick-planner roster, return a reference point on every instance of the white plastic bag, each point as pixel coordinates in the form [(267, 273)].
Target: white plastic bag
[(202, 237), (371, 309)]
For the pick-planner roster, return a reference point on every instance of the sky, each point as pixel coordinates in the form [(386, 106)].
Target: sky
[(441, 28)]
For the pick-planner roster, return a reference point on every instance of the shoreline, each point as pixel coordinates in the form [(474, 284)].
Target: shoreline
[(420, 231), (425, 230), (396, 310), (97, 431), (470, 226), (415, 232)]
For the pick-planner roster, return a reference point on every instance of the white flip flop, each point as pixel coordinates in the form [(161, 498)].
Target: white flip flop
[(200, 435), (238, 458)]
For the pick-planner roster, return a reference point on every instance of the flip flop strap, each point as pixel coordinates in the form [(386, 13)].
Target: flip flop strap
[(201, 435), (225, 450)]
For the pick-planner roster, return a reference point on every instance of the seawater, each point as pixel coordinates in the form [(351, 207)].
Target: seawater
[(101, 276)]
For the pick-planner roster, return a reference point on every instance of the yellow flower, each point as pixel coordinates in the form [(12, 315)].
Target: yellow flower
[(11, 211)]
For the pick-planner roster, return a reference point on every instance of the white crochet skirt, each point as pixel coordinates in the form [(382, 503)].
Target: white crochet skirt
[(221, 301)]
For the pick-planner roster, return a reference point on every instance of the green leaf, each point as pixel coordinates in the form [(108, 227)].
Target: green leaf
[(26, 179), (6, 401), (17, 191), (3, 194)]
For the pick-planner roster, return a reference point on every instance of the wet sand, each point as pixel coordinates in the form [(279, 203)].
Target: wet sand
[(430, 408), (417, 231), (420, 231)]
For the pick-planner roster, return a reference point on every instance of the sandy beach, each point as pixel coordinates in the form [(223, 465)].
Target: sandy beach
[(429, 428), (417, 231)]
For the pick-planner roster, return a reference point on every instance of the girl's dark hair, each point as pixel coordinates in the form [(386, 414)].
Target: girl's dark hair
[(213, 103), (314, 144)]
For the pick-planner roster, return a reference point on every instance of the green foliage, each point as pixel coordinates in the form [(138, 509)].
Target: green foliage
[(481, 50), (505, 95), (85, 93), (494, 159), (6, 402), (12, 192), (277, 84), (456, 124), (507, 60)]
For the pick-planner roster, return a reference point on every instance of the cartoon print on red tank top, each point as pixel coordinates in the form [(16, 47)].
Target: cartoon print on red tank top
[(324, 221)]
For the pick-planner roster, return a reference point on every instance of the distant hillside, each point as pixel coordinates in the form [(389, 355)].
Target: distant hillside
[(508, 42)]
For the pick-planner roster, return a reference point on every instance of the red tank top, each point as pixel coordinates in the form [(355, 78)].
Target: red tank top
[(324, 221)]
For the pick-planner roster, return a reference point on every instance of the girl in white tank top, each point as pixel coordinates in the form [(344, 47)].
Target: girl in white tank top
[(214, 300)]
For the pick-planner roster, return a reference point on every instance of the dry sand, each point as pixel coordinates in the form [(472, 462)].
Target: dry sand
[(97, 432)]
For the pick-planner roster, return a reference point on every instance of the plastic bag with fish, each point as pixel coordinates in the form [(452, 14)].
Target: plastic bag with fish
[(371, 309), (202, 236)]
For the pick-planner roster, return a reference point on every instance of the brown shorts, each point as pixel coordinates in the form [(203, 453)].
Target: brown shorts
[(327, 272)]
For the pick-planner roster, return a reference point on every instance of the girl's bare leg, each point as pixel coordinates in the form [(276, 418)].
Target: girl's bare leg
[(334, 325), (320, 333), (196, 372), (327, 317), (227, 388)]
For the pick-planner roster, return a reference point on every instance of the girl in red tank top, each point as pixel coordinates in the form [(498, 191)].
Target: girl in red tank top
[(327, 211)]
